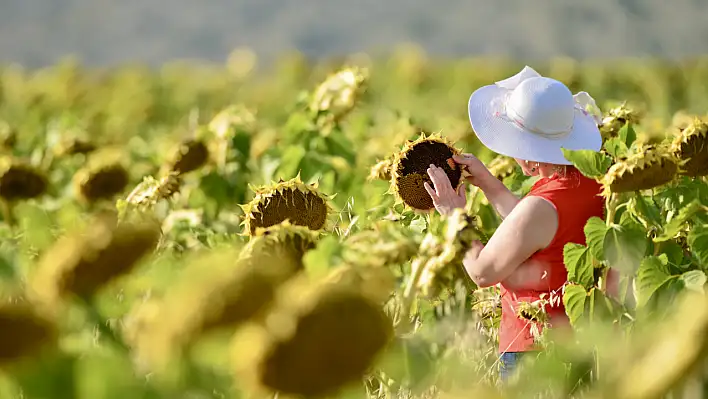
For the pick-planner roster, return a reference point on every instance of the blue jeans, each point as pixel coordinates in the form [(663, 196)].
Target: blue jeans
[(509, 363)]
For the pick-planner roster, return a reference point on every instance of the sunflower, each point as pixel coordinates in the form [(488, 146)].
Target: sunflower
[(20, 181), (83, 262), (302, 204), (691, 148), (650, 166), (23, 331), (224, 290), (409, 169), (101, 182), (616, 118), (300, 349), (191, 155)]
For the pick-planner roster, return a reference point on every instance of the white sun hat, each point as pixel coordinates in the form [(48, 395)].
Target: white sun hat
[(532, 117)]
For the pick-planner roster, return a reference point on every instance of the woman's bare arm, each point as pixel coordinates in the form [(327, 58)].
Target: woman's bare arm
[(498, 195), (530, 275), (528, 228)]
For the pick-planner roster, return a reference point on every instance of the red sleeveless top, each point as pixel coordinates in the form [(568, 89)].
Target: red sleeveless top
[(576, 199)]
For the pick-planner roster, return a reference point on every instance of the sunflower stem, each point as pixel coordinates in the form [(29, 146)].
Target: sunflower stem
[(611, 205), (102, 325), (8, 213), (411, 290)]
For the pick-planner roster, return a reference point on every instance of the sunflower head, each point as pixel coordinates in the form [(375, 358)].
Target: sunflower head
[(690, 146), (338, 94), (381, 171), (20, 181), (23, 331), (84, 262), (190, 155), (648, 167), (301, 204), (409, 169), (616, 118), (100, 183), (299, 351), (217, 291)]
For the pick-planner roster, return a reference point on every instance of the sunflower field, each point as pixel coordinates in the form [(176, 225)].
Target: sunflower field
[(217, 231)]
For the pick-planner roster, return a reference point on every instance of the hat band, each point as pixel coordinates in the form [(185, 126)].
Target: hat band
[(514, 117)]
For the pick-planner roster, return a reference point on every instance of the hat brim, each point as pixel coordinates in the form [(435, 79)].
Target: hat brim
[(507, 138)]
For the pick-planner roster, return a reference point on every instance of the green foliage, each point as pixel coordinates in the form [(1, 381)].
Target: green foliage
[(445, 341)]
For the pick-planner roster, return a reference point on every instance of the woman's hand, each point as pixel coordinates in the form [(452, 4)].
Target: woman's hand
[(444, 197), (479, 175)]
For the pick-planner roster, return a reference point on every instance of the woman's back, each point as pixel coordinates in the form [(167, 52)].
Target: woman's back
[(576, 199)]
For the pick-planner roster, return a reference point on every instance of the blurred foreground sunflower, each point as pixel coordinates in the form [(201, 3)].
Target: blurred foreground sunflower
[(82, 263), (444, 269), (318, 339), (23, 331), (224, 290)]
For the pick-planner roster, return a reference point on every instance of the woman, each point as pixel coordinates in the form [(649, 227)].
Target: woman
[(530, 118)]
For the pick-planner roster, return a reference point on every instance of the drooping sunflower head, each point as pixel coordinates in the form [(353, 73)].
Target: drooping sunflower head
[(23, 331), (648, 167), (381, 171), (191, 154), (219, 290), (149, 194), (301, 204), (616, 118), (83, 262), (339, 92), (409, 169), (100, 182), (299, 350), (20, 181), (690, 146)]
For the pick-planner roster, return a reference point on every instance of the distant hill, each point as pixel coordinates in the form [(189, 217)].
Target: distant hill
[(100, 32)]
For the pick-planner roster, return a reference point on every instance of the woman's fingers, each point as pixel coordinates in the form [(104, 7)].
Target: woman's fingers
[(465, 159), (431, 192), (440, 180)]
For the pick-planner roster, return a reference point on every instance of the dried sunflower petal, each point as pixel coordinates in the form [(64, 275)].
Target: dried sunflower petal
[(291, 200), (409, 170)]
